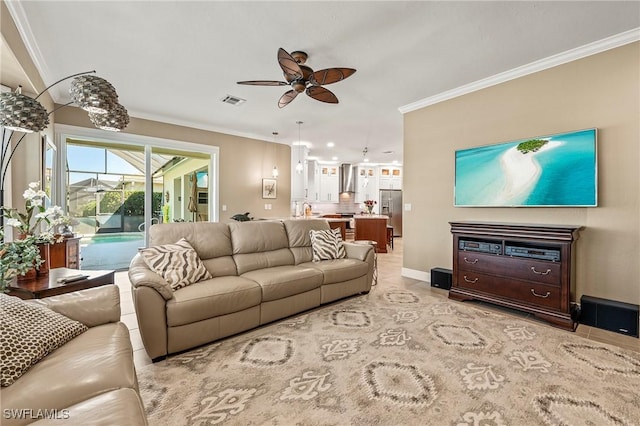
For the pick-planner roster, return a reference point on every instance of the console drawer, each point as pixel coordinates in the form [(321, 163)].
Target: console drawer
[(523, 269), (549, 296)]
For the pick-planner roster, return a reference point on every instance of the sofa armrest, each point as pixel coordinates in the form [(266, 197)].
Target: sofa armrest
[(141, 275), (358, 251), (92, 307)]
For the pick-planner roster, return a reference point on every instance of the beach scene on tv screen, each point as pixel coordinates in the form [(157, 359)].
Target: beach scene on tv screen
[(556, 170)]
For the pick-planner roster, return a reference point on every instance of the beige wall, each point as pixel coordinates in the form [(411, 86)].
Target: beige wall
[(601, 91), (243, 162)]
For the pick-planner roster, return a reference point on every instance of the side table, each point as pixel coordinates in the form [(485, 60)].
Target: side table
[(48, 285)]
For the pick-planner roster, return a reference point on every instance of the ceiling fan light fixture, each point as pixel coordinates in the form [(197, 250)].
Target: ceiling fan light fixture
[(302, 77)]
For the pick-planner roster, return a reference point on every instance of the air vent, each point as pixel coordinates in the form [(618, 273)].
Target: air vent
[(233, 100), (387, 152)]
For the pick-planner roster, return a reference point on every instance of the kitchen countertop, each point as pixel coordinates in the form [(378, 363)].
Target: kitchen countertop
[(370, 216), (328, 219)]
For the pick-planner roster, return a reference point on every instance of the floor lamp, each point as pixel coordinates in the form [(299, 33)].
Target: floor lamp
[(21, 113)]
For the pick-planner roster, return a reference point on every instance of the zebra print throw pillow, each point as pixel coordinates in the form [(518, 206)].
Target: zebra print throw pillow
[(177, 263), (327, 245)]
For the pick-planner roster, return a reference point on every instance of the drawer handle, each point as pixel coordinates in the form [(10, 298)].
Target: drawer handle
[(539, 295), (547, 272), (473, 281), (468, 261)]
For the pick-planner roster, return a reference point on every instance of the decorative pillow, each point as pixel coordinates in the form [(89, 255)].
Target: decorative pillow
[(327, 245), (177, 263), (28, 333)]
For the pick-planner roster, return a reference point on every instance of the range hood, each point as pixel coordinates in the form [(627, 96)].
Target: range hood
[(347, 178)]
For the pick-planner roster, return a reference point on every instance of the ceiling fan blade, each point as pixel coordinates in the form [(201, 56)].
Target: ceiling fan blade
[(287, 98), (289, 65), (321, 94), (264, 83), (332, 75)]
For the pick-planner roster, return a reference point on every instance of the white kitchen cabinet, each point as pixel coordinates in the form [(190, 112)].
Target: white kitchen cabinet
[(329, 184), (312, 190), (367, 184), (390, 177)]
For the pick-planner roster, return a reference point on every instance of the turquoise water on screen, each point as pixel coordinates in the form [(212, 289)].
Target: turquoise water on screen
[(568, 174)]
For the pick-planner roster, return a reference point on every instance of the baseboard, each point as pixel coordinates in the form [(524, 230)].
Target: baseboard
[(416, 275)]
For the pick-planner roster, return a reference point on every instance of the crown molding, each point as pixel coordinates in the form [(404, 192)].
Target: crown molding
[(22, 24), (533, 67)]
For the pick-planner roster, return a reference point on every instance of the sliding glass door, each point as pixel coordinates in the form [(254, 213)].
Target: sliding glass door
[(114, 190)]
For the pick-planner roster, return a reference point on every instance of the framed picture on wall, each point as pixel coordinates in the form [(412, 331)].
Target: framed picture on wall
[(269, 188)]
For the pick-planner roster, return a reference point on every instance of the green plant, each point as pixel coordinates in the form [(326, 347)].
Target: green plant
[(17, 258)]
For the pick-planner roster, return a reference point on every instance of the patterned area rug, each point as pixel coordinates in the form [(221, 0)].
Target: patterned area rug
[(397, 357)]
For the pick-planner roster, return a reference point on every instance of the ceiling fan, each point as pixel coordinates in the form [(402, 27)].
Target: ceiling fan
[(302, 78)]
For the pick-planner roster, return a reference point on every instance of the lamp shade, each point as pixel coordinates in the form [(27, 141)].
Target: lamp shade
[(93, 94), (22, 113), (114, 121)]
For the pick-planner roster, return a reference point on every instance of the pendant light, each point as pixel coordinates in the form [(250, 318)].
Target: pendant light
[(299, 166), (365, 181), (275, 172)]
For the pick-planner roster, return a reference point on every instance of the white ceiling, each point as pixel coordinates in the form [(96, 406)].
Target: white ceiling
[(174, 61)]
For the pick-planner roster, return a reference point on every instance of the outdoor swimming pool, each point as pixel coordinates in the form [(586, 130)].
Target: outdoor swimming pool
[(110, 251), (112, 238)]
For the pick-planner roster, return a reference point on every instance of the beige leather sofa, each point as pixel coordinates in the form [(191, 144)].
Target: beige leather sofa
[(262, 271), (88, 381)]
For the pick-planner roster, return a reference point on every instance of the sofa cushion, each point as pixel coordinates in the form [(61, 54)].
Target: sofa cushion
[(339, 270), (212, 298), (98, 360), (211, 240), (177, 263), (284, 281), (299, 239), (29, 333), (257, 237), (259, 244), (327, 245)]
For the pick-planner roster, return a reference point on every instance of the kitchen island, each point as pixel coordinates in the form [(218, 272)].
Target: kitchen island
[(372, 227)]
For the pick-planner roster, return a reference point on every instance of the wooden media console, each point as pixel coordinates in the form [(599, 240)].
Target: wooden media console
[(520, 266)]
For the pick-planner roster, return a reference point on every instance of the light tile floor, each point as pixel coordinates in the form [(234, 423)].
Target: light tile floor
[(389, 269)]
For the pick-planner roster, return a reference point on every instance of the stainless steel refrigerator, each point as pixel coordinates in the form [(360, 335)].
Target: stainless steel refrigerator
[(391, 205)]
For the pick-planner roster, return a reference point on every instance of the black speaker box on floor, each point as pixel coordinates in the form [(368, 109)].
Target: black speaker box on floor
[(610, 315), (441, 278)]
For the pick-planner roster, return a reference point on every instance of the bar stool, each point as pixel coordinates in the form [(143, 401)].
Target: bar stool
[(390, 236), (375, 257)]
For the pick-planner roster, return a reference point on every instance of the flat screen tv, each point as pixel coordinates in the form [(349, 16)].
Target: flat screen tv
[(546, 171)]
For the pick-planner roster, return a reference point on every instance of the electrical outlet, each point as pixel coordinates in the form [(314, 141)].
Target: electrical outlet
[(224, 207), (407, 207)]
